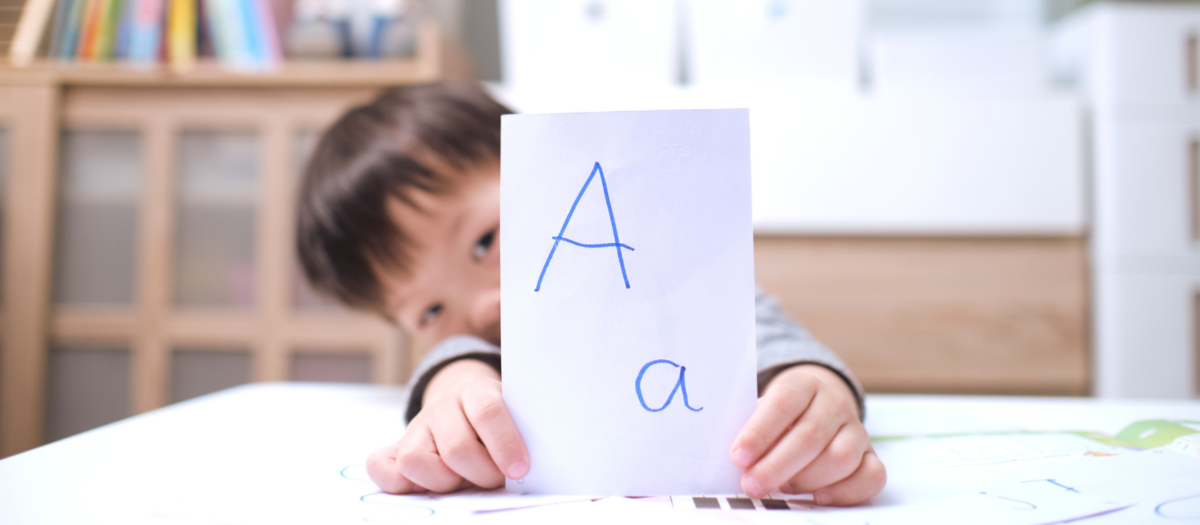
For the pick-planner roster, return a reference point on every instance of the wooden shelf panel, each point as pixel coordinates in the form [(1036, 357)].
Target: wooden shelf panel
[(113, 325), (291, 74), (219, 329), (424, 67)]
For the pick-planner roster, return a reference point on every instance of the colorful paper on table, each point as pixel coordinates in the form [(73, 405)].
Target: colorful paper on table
[(1072, 475), (1163, 484), (628, 292)]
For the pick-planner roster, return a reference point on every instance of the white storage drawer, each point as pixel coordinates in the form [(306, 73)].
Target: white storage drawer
[(919, 166), (589, 43), (1147, 191), (766, 41), (1145, 333), (1132, 53)]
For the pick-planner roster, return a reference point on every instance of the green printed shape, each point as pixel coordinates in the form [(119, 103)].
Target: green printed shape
[(1103, 439), (1156, 433)]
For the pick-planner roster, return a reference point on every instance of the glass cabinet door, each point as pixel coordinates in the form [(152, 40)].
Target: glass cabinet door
[(216, 222), (196, 371), (86, 387), (97, 218)]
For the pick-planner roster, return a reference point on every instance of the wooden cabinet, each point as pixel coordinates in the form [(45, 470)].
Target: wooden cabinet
[(940, 315), (148, 224)]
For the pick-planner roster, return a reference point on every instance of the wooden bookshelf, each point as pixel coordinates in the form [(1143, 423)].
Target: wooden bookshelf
[(41, 101)]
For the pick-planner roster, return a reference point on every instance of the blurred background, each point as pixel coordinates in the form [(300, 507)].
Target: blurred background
[(957, 196)]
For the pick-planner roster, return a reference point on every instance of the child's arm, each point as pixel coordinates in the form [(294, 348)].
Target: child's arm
[(462, 435), (805, 437)]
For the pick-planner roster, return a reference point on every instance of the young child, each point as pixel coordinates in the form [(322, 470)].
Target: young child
[(399, 214)]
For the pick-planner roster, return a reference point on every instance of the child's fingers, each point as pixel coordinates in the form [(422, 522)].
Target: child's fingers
[(461, 450), (486, 411), (420, 463), (795, 450), (838, 461), (383, 469), (777, 410), (865, 482)]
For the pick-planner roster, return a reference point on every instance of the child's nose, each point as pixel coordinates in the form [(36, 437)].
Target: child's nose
[(485, 315)]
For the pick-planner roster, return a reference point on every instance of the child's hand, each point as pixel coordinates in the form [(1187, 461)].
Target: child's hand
[(462, 436), (805, 437)]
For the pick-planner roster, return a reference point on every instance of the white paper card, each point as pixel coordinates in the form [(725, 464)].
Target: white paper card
[(627, 277)]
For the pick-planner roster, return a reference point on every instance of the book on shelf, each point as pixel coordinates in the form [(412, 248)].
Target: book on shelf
[(72, 25), (30, 27), (241, 35), (144, 32), (182, 25), (86, 49), (61, 12), (106, 29)]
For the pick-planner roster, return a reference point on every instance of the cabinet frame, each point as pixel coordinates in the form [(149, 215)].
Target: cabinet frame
[(37, 103)]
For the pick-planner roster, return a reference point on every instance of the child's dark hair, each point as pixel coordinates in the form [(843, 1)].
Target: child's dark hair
[(374, 153)]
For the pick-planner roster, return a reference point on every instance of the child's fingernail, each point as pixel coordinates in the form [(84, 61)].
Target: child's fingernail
[(751, 487), (742, 457), (517, 470), (823, 498)]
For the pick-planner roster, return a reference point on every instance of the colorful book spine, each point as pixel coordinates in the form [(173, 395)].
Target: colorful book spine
[(216, 30), (250, 24), (91, 27), (61, 13), (106, 36), (69, 48), (237, 33), (244, 35), (125, 30), (282, 16), (145, 31), (181, 34), (161, 54), (204, 41), (270, 54)]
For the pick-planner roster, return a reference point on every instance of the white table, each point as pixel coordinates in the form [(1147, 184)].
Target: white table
[(270, 450)]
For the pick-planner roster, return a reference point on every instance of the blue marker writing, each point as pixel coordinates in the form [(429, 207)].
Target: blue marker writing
[(679, 385), (616, 238)]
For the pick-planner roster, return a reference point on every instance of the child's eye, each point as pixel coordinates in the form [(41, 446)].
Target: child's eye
[(430, 314), (483, 245)]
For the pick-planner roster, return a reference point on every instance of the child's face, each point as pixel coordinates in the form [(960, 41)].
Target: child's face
[(453, 286)]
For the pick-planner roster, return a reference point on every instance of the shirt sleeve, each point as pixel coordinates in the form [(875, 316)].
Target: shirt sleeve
[(783, 343), (448, 351)]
